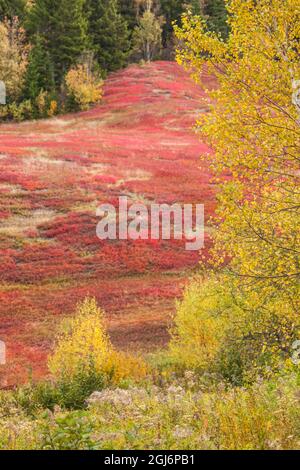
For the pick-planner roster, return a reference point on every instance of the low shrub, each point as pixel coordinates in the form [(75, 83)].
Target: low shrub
[(178, 415), (230, 333), (83, 361), (83, 87), (200, 324), (84, 347), (43, 106), (17, 111), (46, 104), (70, 432), (67, 393)]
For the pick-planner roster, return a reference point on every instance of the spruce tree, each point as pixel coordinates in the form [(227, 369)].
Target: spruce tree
[(11, 8), (61, 25), (216, 14), (197, 7), (39, 74), (108, 33), (172, 11), (129, 13)]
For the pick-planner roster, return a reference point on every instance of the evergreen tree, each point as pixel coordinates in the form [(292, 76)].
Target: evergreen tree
[(11, 8), (172, 11), (39, 74), (129, 12), (62, 26), (108, 33), (197, 6), (216, 14)]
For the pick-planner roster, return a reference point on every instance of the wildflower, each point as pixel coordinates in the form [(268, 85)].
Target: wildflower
[(189, 376), (113, 397), (182, 432), (173, 390)]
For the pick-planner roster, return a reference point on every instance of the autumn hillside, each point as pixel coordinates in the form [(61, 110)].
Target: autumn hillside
[(54, 173)]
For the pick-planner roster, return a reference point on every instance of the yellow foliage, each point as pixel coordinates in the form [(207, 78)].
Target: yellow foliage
[(52, 108), (121, 366), (84, 86), (246, 418), (45, 106), (199, 324), (254, 127), (84, 346), (219, 329), (13, 57), (41, 102)]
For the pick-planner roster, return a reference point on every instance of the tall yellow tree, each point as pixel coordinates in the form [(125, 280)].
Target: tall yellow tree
[(13, 57), (254, 127)]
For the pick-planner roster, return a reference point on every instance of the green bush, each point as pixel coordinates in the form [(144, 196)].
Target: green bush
[(68, 393), (229, 333), (17, 112), (69, 432), (200, 324)]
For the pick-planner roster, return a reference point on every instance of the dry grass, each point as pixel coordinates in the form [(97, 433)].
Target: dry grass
[(18, 225)]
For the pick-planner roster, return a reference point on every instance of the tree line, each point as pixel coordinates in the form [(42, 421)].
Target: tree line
[(43, 40)]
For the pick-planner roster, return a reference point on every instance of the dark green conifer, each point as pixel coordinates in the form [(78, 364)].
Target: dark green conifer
[(108, 34), (40, 73), (11, 8), (62, 27)]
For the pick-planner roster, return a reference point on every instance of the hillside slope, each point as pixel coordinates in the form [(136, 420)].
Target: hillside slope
[(54, 173)]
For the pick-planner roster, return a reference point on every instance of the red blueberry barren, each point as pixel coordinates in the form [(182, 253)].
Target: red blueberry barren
[(139, 142)]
